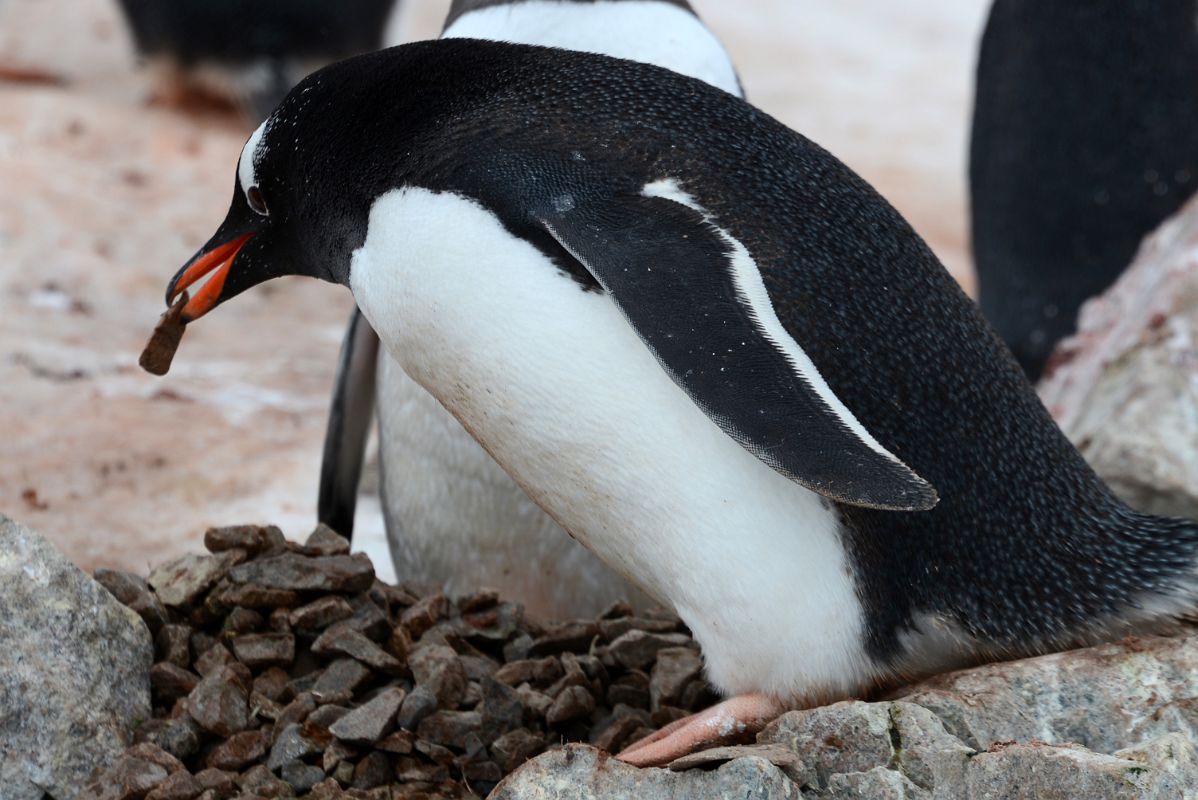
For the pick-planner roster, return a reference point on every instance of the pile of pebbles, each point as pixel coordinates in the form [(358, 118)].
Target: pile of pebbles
[(286, 670)]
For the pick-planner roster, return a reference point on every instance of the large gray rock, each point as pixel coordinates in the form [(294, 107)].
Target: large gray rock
[(1126, 388), (74, 670), (583, 773), (1104, 698), (1117, 721)]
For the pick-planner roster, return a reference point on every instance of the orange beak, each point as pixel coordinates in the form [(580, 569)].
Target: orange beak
[(217, 261)]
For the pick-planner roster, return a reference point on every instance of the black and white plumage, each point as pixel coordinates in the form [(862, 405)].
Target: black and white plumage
[(463, 213), (253, 51), (1085, 138), (453, 517)]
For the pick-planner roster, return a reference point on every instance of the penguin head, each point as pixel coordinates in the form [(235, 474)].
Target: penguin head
[(271, 228)]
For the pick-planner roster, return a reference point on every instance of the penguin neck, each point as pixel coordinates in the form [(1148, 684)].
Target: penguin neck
[(631, 29)]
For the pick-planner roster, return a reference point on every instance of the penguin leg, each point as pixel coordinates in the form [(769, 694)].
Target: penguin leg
[(731, 722)]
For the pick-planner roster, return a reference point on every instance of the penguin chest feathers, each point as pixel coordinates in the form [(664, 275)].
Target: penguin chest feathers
[(558, 387)]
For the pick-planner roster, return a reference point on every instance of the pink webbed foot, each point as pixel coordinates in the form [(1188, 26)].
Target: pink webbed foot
[(733, 721)]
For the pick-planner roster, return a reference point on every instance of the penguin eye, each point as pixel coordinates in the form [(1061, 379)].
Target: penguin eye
[(257, 201)]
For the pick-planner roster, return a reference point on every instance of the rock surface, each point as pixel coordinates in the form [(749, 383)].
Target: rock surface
[(583, 773), (1126, 386), (74, 670), (1117, 721)]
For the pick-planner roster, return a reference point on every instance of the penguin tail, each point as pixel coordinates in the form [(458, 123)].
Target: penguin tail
[(350, 415)]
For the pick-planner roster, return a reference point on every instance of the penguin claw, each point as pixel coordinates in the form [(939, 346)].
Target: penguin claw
[(734, 721)]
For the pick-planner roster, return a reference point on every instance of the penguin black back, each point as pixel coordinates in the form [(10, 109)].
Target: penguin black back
[(1027, 547), (1085, 138)]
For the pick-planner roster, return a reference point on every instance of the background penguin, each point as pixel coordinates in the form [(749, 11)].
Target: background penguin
[(711, 352), (453, 516), (252, 51), (1085, 138)]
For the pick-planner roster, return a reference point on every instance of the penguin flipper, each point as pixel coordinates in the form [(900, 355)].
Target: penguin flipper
[(695, 297), (350, 415)]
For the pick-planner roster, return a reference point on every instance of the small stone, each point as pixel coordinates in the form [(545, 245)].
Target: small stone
[(574, 702), (616, 732), (212, 659), (261, 650), (565, 637), (536, 704), (373, 771), (515, 747), (321, 613), (238, 751), (180, 582), (369, 619), (173, 645), (340, 640), (517, 649), (501, 709), (263, 708), (481, 600), (260, 782), (254, 539), (293, 713), (295, 742), (400, 743), (675, 668), (170, 682), (324, 541), (335, 753), (179, 737), (638, 649), (242, 620), (299, 573), (221, 783), (252, 595), (449, 728), (343, 675), (419, 703), (148, 751), (540, 672), (220, 702), (325, 716), (370, 722), (612, 629), (479, 668), (415, 770), (134, 777), (480, 773), (573, 675), (301, 777), (329, 789), (134, 593), (271, 683), (495, 624), (280, 620), (630, 689), (425, 614), (180, 785), (440, 670)]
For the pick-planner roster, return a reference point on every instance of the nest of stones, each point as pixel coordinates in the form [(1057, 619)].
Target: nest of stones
[(289, 670)]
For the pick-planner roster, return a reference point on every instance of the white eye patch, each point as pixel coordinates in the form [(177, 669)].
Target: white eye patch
[(249, 153)]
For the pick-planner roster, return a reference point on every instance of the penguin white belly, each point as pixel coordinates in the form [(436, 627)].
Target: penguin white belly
[(454, 516), (557, 386), (649, 31)]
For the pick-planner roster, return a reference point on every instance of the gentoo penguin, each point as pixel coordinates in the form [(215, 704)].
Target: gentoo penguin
[(711, 352), (1085, 138), (252, 51), (453, 517)]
